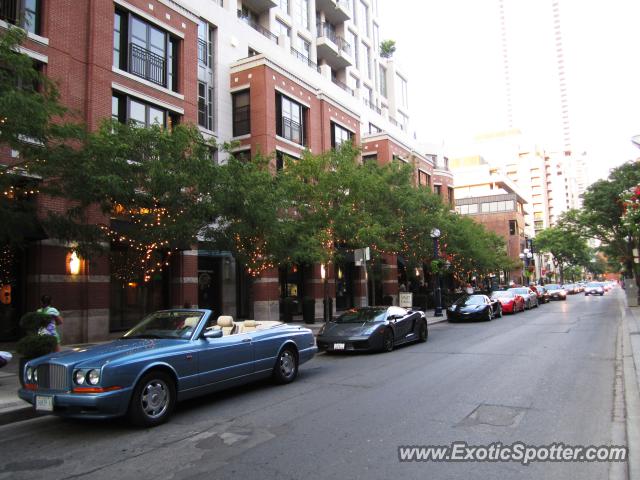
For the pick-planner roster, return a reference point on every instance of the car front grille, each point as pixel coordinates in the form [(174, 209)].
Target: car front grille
[(52, 376)]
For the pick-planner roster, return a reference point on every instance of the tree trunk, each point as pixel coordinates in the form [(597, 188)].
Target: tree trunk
[(561, 274)]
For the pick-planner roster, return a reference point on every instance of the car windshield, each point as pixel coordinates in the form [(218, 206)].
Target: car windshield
[(502, 294), (520, 291), (167, 324), (470, 300), (362, 315), (594, 284), (552, 287)]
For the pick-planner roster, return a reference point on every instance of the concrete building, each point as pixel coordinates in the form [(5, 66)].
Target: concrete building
[(488, 196), (278, 77)]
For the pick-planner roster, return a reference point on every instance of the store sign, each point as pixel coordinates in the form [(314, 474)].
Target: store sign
[(406, 299)]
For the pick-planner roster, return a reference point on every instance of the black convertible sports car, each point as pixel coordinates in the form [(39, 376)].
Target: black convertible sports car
[(474, 307), (373, 328)]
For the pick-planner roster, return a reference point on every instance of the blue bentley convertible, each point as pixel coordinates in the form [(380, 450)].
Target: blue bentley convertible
[(169, 356)]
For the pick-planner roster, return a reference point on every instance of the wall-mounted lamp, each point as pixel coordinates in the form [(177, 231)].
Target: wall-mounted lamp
[(74, 263), (323, 271)]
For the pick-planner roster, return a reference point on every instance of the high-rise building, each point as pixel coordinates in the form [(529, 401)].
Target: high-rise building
[(273, 76)]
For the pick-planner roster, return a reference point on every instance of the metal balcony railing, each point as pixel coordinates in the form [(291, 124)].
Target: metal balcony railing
[(9, 11), (343, 86), (327, 30), (372, 106), (257, 27), (204, 55), (303, 58), (147, 64), (292, 130)]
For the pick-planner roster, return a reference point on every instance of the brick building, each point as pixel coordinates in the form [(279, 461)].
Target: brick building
[(275, 77)]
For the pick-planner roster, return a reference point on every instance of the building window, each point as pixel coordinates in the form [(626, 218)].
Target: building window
[(513, 227), (279, 160), (356, 47), (241, 113), (339, 135), (450, 194), (290, 119), (205, 40), (304, 47), (366, 59), (284, 5), (282, 29), (23, 13), (374, 129), (205, 106), (401, 94), (144, 50), (363, 18), (301, 12), (370, 159), (383, 81), (437, 189), (424, 179), (129, 109), (243, 156)]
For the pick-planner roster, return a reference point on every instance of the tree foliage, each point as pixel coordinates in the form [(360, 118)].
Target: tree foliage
[(387, 48), (567, 247)]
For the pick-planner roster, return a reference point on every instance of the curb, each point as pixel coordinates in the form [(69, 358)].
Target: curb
[(632, 388)]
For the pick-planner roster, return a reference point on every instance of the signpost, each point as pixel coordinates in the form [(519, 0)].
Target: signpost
[(406, 299)]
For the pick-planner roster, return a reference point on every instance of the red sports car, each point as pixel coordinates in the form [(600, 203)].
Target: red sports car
[(511, 302)]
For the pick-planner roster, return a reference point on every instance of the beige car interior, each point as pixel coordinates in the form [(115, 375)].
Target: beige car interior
[(229, 327)]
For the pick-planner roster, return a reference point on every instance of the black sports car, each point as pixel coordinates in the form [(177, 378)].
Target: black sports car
[(474, 307), (373, 328)]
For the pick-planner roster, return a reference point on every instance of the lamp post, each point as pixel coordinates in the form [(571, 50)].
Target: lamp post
[(435, 234), (325, 303)]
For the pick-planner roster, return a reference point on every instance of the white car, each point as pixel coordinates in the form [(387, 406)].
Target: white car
[(594, 288)]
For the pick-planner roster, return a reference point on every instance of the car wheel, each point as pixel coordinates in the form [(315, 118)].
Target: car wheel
[(153, 399), (423, 332), (489, 314), (286, 368), (387, 340)]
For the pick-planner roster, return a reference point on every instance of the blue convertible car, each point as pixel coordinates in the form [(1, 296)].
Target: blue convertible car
[(169, 356)]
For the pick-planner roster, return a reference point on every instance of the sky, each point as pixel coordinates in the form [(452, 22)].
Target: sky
[(451, 51)]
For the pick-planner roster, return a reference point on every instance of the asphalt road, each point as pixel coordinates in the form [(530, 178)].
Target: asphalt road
[(543, 376)]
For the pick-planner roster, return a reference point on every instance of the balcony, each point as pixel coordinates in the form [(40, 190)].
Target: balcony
[(372, 106), (303, 58), (343, 86), (258, 28), (335, 11), (147, 65), (333, 48), (259, 6)]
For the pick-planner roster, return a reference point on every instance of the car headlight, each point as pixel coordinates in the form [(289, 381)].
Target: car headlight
[(29, 374), (35, 375), (93, 377), (79, 377)]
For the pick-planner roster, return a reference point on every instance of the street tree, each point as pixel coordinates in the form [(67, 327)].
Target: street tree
[(143, 192), (568, 248)]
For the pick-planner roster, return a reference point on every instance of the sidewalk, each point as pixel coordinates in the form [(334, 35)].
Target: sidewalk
[(631, 363), (13, 409)]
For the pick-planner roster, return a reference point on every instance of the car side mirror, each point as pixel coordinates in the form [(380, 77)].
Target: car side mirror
[(214, 333)]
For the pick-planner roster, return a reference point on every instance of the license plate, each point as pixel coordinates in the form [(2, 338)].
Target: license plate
[(338, 346), (44, 404)]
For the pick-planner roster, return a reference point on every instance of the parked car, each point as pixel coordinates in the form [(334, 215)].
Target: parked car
[(594, 288), (474, 307), (373, 329), (571, 288), (530, 297), (171, 355), (541, 293), (556, 291), (511, 302)]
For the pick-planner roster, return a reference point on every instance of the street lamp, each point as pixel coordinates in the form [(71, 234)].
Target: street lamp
[(435, 234), (325, 307)]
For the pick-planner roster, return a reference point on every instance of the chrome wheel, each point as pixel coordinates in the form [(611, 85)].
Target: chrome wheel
[(155, 398), (387, 341), (287, 364)]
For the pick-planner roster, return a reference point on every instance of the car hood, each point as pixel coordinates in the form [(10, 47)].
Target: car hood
[(469, 308), (98, 355), (349, 329)]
